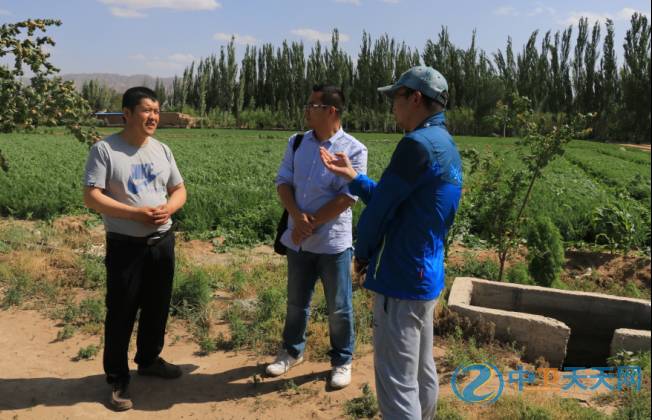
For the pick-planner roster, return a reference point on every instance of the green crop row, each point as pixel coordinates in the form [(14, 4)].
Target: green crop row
[(614, 171), (230, 179)]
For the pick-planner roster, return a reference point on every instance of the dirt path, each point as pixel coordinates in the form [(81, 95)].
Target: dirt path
[(644, 147), (39, 380)]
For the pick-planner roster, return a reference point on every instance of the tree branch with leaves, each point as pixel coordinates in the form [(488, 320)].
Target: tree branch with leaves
[(47, 100)]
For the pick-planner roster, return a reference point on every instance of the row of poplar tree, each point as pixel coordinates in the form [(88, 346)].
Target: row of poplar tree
[(562, 73)]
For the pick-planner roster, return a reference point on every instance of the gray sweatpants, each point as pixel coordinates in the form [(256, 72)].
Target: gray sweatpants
[(406, 376)]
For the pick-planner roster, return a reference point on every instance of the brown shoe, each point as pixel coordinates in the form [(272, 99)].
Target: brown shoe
[(160, 368), (120, 399)]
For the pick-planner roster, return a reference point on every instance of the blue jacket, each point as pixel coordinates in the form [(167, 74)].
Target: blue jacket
[(401, 232)]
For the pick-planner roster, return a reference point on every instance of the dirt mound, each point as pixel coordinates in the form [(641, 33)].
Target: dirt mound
[(607, 267)]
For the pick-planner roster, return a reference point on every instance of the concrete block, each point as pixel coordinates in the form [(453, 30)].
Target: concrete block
[(461, 292), (539, 335), (630, 340)]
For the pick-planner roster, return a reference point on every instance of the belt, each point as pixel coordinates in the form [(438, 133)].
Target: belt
[(150, 240)]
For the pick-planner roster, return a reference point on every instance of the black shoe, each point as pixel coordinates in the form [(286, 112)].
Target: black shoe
[(160, 368), (120, 399)]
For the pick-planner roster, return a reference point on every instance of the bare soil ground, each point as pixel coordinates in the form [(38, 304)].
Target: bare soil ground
[(40, 378)]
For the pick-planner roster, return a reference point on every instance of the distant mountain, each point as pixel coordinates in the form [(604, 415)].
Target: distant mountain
[(118, 82)]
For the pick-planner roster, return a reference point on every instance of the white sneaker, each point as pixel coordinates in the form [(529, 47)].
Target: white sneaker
[(282, 364), (341, 376)]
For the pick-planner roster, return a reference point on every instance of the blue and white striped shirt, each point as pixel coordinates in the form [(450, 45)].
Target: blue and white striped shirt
[(314, 186)]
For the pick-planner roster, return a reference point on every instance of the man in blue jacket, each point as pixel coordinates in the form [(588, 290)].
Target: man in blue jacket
[(400, 241)]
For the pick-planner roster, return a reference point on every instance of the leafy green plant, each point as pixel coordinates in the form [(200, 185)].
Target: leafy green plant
[(545, 251), (69, 313), (66, 332), (447, 410), (207, 345), (240, 334), (19, 287), (503, 192), (191, 293), (290, 387), (634, 405), (639, 187), (87, 353), (519, 274), (475, 267), (15, 236), (362, 308), (463, 351), (461, 229), (94, 272), (363, 407), (92, 311), (614, 225), (258, 325), (237, 283), (630, 358)]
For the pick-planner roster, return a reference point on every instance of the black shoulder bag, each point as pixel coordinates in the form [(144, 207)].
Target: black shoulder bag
[(282, 226)]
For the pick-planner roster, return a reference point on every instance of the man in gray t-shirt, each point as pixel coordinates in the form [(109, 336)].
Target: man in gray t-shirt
[(132, 180), (135, 176)]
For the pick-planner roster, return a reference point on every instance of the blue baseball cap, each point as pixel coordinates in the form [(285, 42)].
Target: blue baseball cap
[(425, 79)]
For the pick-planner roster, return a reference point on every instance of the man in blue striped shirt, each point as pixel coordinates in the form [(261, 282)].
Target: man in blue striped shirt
[(319, 234)]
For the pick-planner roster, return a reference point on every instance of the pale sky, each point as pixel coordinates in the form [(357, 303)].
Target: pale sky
[(161, 37)]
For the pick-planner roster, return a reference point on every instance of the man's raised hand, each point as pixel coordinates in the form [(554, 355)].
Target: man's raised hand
[(338, 163)]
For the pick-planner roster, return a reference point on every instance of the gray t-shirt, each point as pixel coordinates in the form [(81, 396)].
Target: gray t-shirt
[(136, 176)]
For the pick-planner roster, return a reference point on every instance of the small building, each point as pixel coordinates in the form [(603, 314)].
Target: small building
[(166, 120), (110, 119)]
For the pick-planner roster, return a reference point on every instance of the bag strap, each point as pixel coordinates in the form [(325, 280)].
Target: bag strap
[(297, 142)]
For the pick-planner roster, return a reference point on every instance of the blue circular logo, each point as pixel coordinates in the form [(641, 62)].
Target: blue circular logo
[(469, 392)]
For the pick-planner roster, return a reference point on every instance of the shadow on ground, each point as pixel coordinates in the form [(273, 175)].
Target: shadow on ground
[(148, 394)]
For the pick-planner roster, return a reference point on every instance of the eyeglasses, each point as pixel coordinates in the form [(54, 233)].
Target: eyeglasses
[(308, 107)]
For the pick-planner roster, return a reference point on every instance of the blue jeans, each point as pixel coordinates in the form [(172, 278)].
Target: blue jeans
[(335, 271)]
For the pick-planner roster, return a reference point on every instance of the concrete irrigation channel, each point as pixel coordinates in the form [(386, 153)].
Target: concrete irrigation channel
[(567, 328)]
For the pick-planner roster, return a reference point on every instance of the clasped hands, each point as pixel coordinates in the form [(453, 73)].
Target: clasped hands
[(156, 216), (304, 226)]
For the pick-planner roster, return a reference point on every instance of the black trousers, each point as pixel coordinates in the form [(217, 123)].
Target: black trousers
[(139, 276)]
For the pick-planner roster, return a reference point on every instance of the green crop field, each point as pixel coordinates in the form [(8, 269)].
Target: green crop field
[(230, 179)]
